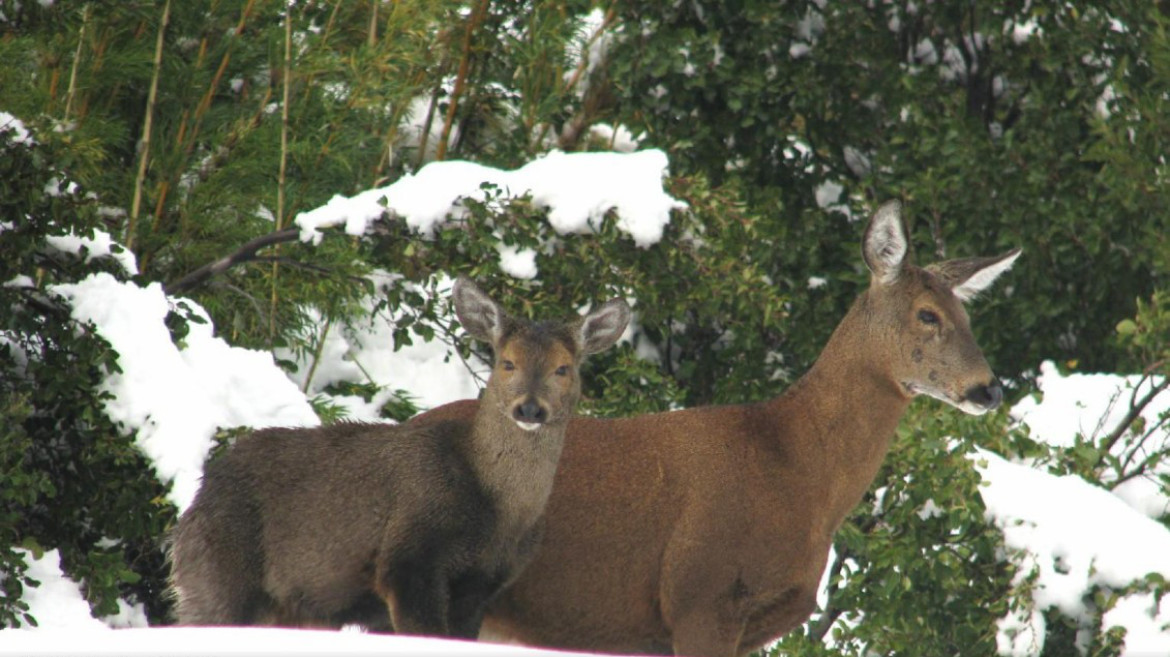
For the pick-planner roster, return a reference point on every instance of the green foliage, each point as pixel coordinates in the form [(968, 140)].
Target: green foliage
[(985, 116), (23, 486), (1147, 335), (73, 481), (214, 149)]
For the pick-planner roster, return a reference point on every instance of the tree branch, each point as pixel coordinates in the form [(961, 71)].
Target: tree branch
[(473, 22), (245, 253), (1135, 409), (304, 266), (44, 304), (1142, 468)]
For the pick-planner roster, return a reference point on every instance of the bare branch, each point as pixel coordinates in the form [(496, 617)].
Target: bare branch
[(305, 266), (45, 305), (1135, 409), (256, 305), (243, 254), (1140, 443), (1142, 468)]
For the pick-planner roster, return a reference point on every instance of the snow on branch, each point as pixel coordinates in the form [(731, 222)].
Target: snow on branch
[(577, 188)]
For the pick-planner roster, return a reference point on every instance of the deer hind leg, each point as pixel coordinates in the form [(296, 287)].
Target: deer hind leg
[(210, 589), (204, 603)]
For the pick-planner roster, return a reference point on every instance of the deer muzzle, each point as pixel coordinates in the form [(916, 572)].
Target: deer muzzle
[(529, 414), (988, 396)]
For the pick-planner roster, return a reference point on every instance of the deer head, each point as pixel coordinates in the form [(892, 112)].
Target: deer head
[(920, 315), (535, 379)]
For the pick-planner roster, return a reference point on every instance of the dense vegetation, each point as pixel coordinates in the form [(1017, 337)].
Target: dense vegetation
[(187, 129)]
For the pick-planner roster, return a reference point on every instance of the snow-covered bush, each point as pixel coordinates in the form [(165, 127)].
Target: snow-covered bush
[(72, 480)]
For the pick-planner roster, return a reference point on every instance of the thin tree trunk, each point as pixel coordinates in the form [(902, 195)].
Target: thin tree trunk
[(461, 79), (85, 15), (281, 183), (144, 144)]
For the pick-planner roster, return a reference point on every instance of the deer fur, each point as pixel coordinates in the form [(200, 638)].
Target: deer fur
[(705, 531), (395, 527)]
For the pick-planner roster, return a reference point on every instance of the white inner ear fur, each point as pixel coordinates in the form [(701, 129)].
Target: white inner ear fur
[(480, 309), (602, 327), (886, 243), (494, 318), (983, 278)]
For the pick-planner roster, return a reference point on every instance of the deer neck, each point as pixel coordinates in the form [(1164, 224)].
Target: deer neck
[(843, 413), (514, 465)]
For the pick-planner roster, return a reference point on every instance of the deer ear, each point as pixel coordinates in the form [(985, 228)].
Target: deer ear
[(968, 277), (602, 327), (886, 243), (481, 317)]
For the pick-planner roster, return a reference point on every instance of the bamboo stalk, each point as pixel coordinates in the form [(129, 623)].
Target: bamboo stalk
[(387, 159), (426, 128), (85, 14), (144, 144), (209, 94), (308, 79), (461, 78), (328, 31), (373, 36), (281, 182), (245, 253), (317, 351)]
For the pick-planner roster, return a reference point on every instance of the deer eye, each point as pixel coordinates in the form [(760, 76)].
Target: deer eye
[(928, 317), (508, 365), (563, 370)]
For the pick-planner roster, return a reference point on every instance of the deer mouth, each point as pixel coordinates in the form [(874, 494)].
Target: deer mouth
[(958, 401), (528, 426)]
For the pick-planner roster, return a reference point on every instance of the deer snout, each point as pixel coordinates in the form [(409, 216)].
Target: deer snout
[(529, 414), (988, 396)]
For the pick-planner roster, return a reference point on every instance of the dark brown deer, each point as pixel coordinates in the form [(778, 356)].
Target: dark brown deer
[(705, 531), (396, 527)]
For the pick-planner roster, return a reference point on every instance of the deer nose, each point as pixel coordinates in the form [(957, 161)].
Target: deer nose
[(530, 411), (988, 396)]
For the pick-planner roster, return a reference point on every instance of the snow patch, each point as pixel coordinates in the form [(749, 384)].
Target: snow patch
[(175, 397)]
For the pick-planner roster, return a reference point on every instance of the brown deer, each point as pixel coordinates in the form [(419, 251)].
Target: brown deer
[(705, 531), (399, 528)]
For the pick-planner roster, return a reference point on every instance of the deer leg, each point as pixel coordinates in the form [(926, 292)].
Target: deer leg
[(787, 612), (467, 616), (216, 599), (417, 598), (703, 635), (209, 607), (470, 595)]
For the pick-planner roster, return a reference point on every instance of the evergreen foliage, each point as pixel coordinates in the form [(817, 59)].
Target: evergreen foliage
[(1004, 124), (72, 480)]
